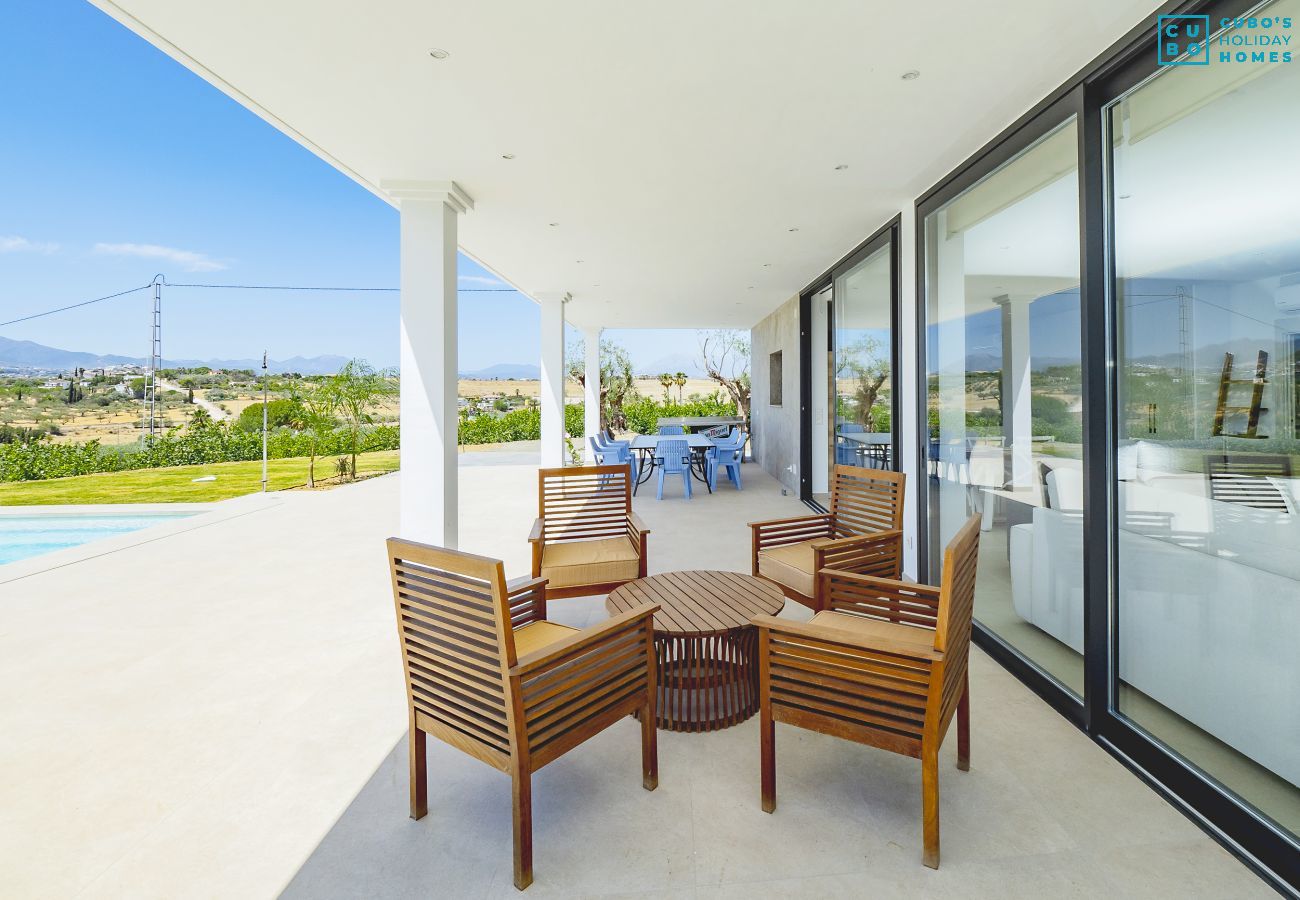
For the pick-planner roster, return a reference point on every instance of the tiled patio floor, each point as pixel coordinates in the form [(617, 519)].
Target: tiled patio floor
[(220, 714)]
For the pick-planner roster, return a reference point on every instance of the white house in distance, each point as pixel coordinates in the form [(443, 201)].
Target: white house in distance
[(991, 246)]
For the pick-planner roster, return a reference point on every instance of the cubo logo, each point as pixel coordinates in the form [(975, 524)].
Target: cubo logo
[(1183, 40)]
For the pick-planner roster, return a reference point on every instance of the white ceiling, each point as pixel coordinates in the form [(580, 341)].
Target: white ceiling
[(676, 144)]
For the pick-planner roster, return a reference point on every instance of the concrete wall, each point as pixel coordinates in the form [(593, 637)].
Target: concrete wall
[(776, 428)]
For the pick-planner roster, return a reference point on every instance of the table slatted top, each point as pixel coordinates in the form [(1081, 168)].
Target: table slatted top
[(699, 602)]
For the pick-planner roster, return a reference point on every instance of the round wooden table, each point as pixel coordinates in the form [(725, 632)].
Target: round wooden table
[(706, 651)]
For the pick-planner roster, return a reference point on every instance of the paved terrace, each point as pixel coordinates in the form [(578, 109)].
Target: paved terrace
[(220, 713)]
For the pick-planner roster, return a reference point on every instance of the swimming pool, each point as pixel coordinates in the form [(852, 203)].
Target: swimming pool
[(22, 537)]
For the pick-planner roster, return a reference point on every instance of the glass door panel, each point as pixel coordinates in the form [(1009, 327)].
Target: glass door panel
[(1207, 300), (862, 377), (1005, 397)]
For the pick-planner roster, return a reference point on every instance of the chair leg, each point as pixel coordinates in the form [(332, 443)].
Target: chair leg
[(930, 804), (659, 494), (649, 747), (686, 480), (419, 771), (963, 726), (523, 823), (767, 757)]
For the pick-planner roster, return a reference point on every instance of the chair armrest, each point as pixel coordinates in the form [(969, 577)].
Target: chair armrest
[(565, 685), (527, 597), (879, 553), (810, 636), (883, 598), (535, 536), (634, 523), (819, 517)]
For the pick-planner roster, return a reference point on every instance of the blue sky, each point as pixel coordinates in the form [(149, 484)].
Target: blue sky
[(117, 164)]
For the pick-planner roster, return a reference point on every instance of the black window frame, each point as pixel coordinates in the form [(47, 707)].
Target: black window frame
[(1258, 842), (887, 235)]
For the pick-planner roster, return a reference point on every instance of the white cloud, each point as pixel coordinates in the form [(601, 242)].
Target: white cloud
[(12, 243), (186, 259), (480, 279)]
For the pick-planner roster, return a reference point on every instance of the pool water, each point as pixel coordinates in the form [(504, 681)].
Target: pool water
[(22, 537)]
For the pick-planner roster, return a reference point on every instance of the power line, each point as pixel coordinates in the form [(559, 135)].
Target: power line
[(295, 287), (50, 312), (244, 287)]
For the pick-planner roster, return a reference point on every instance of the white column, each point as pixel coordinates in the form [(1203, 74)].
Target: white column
[(1017, 409), (428, 502), (552, 399), (591, 388)]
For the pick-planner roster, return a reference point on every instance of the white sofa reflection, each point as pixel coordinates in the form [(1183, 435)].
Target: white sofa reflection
[(1209, 611)]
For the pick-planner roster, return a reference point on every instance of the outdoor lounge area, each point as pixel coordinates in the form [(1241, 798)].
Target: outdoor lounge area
[(979, 578), (282, 746)]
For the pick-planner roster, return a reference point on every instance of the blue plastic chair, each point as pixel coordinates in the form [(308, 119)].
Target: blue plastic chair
[(614, 452), (727, 454), (846, 452), (671, 429), (673, 458)]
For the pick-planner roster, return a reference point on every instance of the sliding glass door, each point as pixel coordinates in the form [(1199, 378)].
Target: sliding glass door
[(862, 371), (1004, 396), (850, 340), (1206, 458)]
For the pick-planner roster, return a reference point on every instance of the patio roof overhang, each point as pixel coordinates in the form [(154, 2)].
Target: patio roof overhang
[(687, 154)]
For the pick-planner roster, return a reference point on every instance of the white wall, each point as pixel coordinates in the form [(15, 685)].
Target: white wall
[(776, 428)]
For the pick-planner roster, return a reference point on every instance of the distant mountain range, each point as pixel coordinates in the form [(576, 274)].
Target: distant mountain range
[(38, 357), (502, 371)]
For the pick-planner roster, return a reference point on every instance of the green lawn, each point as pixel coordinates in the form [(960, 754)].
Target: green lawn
[(176, 484)]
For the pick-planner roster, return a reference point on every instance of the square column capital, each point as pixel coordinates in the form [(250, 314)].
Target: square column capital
[(447, 192)]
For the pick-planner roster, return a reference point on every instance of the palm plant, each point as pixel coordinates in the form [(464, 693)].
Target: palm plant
[(680, 380), (666, 382)]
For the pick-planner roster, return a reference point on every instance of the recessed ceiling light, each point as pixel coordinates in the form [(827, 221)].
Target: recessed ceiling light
[(578, 261), (750, 288), (1005, 247), (507, 156), (767, 265), (553, 224), (439, 53), (841, 167), (1125, 196), (792, 229), (911, 75)]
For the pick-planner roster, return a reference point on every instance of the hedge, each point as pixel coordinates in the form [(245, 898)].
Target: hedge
[(219, 442), (212, 444)]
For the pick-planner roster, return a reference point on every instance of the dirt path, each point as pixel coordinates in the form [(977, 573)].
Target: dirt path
[(216, 412)]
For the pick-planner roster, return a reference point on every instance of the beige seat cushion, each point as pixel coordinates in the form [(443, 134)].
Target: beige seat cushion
[(536, 635), (590, 562), (790, 565), (861, 630)]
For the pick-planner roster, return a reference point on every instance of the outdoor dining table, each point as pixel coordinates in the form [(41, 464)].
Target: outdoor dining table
[(646, 446)]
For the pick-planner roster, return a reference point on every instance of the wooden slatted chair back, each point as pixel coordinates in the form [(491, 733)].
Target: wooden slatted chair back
[(457, 645), (866, 501), (584, 503), (1243, 478), (956, 609)]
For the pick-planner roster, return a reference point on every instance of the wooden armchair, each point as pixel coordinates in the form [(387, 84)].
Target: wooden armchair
[(486, 673), (884, 665), (862, 533), (586, 539)]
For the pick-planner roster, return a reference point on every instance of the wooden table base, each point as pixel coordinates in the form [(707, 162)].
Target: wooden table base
[(707, 682)]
